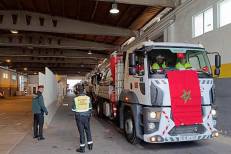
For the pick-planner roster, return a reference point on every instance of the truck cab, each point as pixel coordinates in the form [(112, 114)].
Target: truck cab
[(149, 106)]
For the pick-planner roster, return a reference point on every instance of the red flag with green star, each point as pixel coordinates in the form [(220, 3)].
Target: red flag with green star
[(185, 96)]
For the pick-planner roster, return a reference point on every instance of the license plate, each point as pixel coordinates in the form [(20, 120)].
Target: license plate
[(188, 138)]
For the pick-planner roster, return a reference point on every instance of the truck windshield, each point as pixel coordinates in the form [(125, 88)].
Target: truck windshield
[(162, 60)]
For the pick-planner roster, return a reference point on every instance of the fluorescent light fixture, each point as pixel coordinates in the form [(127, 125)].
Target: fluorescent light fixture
[(14, 31), (156, 19), (89, 52), (130, 40), (114, 9)]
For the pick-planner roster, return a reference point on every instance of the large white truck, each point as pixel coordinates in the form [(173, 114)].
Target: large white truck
[(166, 105)]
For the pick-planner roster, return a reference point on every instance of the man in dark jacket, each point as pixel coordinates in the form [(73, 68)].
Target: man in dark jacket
[(82, 108), (38, 109)]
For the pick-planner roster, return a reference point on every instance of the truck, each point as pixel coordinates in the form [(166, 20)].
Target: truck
[(159, 106)]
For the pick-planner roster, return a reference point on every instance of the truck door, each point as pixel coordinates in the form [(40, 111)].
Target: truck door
[(136, 83)]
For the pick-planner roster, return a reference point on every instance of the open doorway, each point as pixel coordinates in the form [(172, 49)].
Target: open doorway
[(70, 85)]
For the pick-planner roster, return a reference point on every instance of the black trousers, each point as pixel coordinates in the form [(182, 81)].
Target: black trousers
[(83, 124), (38, 124)]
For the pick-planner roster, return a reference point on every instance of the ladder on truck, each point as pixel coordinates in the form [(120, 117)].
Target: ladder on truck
[(119, 76)]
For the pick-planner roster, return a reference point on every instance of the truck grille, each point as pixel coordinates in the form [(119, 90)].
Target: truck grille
[(199, 129)]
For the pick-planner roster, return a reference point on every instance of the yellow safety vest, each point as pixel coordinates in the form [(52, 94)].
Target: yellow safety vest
[(183, 66), (156, 66), (82, 104)]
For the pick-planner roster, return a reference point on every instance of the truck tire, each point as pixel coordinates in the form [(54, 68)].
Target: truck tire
[(129, 128)]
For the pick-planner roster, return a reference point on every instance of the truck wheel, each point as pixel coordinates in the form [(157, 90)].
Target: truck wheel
[(129, 128)]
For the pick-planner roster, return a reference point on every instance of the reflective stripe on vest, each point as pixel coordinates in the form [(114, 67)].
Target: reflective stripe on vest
[(82, 103)]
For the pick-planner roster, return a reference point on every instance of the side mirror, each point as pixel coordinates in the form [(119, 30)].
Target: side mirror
[(217, 61), (132, 59), (132, 71), (217, 71)]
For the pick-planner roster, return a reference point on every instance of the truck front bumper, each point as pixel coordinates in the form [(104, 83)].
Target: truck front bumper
[(166, 131), (180, 138)]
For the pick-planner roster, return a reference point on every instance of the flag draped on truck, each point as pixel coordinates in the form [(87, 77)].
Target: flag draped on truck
[(185, 97)]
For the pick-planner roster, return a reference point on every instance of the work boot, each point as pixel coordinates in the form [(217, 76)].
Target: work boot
[(35, 136), (80, 149), (41, 138), (90, 146)]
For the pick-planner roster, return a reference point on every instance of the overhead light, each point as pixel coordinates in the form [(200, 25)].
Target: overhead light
[(114, 9), (25, 68), (89, 52), (14, 31), (130, 40), (35, 73), (8, 60), (156, 19)]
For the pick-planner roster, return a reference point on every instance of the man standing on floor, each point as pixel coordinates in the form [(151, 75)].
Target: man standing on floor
[(82, 107), (38, 109)]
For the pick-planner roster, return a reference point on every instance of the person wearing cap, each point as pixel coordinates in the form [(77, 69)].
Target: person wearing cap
[(182, 64), (38, 109), (82, 107), (159, 64)]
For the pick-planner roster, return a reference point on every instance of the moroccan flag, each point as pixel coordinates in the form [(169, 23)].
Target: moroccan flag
[(185, 97)]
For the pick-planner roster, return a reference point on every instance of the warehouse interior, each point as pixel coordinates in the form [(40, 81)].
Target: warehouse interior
[(54, 42)]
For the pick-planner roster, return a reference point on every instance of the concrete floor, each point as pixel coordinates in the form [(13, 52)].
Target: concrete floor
[(15, 121), (62, 138)]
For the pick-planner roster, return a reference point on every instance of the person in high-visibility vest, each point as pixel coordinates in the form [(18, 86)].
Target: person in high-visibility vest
[(182, 64), (159, 64), (82, 107)]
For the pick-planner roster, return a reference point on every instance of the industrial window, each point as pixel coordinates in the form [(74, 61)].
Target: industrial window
[(5, 76), (14, 77), (203, 22), (140, 63), (224, 11)]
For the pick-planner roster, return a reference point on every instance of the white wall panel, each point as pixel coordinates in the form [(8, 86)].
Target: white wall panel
[(216, 40)]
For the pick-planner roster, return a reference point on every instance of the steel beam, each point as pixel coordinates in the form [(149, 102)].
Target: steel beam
[(49, 60), (165, 3), (30, 21), (61, 65), (77, 54), (82, 73), (50, 41), (56, 69)]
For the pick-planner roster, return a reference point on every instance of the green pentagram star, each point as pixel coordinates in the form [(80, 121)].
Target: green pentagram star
[(186, 96)]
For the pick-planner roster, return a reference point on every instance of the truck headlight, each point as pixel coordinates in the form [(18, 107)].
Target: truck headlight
[(151, 126), (152, 115), (214, 113)]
